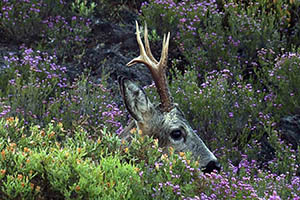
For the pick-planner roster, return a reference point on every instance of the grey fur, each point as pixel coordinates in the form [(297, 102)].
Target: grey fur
[(158, 124)]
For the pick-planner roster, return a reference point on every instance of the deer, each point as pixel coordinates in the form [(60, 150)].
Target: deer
[(165, 121)]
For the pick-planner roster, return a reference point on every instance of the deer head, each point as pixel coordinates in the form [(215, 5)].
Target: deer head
[(166, 122)]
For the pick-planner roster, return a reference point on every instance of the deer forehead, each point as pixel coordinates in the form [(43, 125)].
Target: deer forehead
[(171, 116), (174, 119)]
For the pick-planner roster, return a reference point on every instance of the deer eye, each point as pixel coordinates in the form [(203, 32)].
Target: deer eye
[(176, 134)]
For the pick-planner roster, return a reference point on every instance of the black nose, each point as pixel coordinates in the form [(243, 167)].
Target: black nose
[(211, 166)]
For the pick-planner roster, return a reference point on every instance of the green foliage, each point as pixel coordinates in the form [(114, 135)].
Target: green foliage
[(83, 8), (286, 159), (66, 36), (47, 24), (116, 10), (35, 88), (87, 104), (39, 163), (58, 137), (284, 81), (35, 164), (223, 34), (29, 82), (22, 21)]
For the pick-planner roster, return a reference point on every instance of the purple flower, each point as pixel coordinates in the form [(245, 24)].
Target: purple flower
[(182, 20), (274, 196)]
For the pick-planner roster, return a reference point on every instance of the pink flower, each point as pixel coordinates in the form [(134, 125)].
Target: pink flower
[(274, 196), (182, 20)]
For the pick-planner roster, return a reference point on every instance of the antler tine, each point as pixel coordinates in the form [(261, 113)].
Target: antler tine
[(157, 69), (164, 53), (143, 57), (147, 45)]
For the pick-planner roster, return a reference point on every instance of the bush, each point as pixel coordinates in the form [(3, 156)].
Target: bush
[(284, 80), (30, 81), (224, 111), (34, 164), (40, 163), (216, 36), (58, 137), (117, 10), (35, 88), (21, 21), (46, 24), (66, 36)]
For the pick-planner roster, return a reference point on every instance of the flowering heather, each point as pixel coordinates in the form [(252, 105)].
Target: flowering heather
[(50, 24), (41, 63), (59, 138), (4, 110), (38, 89), (222, 104), (175, 176), (284, 75), (67, 35), (215, 35), (30, 80), (157, 176), (21, 20)]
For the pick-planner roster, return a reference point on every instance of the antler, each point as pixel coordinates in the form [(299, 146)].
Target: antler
[(157, 69)]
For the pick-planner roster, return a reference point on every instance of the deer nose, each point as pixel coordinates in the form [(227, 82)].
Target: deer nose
[(211, 166)]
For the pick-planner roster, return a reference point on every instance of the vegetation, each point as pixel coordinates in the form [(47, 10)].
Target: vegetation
[(59, 134)]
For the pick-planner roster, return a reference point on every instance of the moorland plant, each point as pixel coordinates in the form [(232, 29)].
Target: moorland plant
[(59, 134)]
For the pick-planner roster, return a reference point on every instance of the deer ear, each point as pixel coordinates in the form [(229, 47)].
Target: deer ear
[(136, 101)]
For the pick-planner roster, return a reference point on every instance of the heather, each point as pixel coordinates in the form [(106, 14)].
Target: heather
[(234, 72)]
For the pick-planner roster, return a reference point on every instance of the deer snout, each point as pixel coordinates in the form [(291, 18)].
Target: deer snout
[(211, 166)]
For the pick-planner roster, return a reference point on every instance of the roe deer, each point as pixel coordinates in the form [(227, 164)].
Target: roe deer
[(166, 121)]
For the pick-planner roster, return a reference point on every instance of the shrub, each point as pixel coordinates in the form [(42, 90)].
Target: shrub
[(46, 24), (216, 36), (286, 160), (34, 164), (66, 36), (225, 111), (45, 163), (117, 10), (21, 21), (284, 80), (83, 8), (86, 104), (35, 88), (30, 81), (58, 138)]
